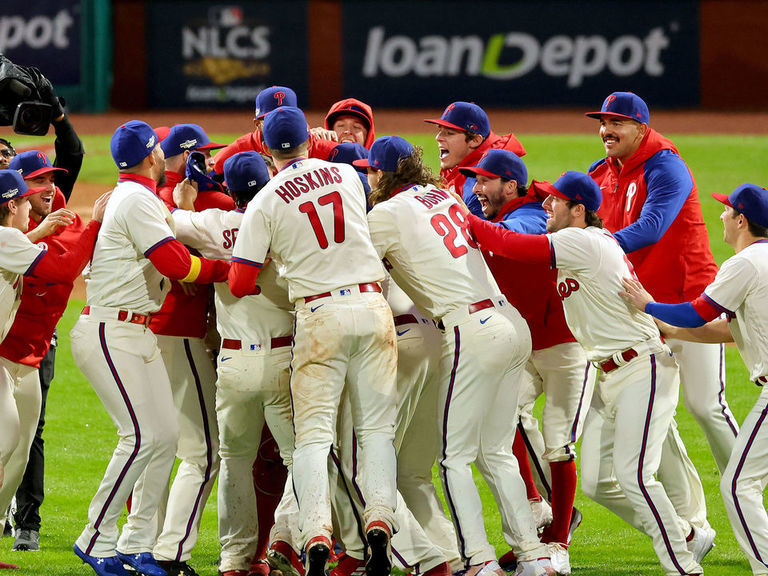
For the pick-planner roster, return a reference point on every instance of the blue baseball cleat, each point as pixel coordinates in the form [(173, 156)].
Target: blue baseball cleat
[(143, 563), (107, 566)]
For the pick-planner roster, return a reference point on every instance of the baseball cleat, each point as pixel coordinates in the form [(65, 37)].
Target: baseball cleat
[(260, 568), (176, 568), (702, 542), (107, 566), (318, 551), (281, 556), (490, 568), (542, 513), (540, 567), (576, 519), (143, 563), (559, 558), (27, 541), (349, 566), (378, 563)]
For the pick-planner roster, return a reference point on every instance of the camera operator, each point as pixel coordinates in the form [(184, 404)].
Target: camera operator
[(32, 338)]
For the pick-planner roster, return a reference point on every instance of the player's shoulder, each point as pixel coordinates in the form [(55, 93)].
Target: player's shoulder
[(597, 164), (9, 234), (665, 159)]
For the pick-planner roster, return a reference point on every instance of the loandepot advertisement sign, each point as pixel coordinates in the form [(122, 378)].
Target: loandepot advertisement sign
[(208, 54), (521, 53)]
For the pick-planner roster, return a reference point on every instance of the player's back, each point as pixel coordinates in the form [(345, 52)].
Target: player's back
[(311, 217), (422, 233), (253, 318)]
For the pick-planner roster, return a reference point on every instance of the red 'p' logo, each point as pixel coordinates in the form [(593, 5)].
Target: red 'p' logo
[(279, 96), (567, 287), (608, 101), (449, 108), (43, 157)]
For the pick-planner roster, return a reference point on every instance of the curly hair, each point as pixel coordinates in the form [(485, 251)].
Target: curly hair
[(410, 170)]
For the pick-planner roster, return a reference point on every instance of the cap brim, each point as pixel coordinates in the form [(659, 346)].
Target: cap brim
[(597, 115), (722, 198), (555, 192), (441, 122), (43, 170), (474, 170), (362, 163), (211, 146)]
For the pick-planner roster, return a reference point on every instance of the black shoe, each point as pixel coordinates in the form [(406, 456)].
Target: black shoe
[(176, 568), (27, 541), (317, 558), (378, 563)]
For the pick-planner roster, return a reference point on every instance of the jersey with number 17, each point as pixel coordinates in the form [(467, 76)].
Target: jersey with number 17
[(311, 219), (422, 232)]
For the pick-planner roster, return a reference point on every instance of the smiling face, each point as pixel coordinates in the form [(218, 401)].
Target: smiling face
[(42, 202), (350, 128), (559, 214), (454, 146), (20, 216), (493, 194), (621, 136), (730, 219)]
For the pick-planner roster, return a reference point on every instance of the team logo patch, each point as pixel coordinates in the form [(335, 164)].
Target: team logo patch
[(608, 101), (186, 145), (151, 141), (567, 287), (252, 183), (11, 193), (345, 292), (258, 111), (279, 96), (450, 107), (123, 164)]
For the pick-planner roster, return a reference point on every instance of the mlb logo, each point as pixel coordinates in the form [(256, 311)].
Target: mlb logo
[(254, 347), (345, 292)]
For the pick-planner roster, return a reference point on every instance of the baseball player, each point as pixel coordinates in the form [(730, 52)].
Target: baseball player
[(352, 121), (181, 325), (651, 204), (558, 366), (740, 291), (7, 152), (311, 219), (267, 100), (463, 136), (420, 231), (29, 339), (19, 385), (135, 256), (253, 365), (638, 384)]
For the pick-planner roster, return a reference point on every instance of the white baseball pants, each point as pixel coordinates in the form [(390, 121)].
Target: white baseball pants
[(483, 358), (193, 384), (252, 389), (124, 366), (344, 343), (621, 448)]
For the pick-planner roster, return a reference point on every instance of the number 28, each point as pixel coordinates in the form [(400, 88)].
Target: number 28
[(447, 228)]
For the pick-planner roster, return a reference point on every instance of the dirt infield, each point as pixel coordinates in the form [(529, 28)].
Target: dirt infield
[(548, 121)]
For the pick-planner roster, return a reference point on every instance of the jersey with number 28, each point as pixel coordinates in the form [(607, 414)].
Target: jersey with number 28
[(422, 232), (311, 219)]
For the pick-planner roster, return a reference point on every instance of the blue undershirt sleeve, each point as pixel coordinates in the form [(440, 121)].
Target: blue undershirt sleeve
[(668, 185), (683, 315)]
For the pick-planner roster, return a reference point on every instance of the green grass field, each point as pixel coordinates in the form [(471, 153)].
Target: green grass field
[(80, 436)]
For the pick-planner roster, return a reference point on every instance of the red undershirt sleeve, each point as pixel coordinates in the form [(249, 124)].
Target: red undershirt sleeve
[(242, 278), (532, 248), (67, 266), (174, 261)]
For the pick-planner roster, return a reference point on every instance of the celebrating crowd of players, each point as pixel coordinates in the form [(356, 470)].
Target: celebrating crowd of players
[(315, 318)]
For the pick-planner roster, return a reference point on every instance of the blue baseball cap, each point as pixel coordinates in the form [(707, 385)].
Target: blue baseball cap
[(285, 127), (132, 142), (464, 116), (347, 153), (750, 200), (246, 171), (12, 186), (385, 153), (32, 163), (183, 137), (624, 105), (274, 97), (578, 187), (499, 164)]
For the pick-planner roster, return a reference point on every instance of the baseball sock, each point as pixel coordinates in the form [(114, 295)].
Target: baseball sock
[(269, 476), (563, 494), (520, 452)]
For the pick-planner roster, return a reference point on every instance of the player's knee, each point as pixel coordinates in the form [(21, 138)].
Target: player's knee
[(702, 407), (563, 454)]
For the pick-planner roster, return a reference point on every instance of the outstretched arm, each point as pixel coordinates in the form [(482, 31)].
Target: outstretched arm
[(533, 248), (242, 277)]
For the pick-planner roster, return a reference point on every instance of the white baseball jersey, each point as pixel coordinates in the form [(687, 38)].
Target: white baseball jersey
[(741, 289), (17, 255), (311, 219), (590, 267), (258, 317), (420, 255), (135, 222)]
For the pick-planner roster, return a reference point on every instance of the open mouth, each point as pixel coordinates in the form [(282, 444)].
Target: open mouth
[(443, 152)]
